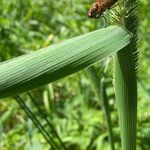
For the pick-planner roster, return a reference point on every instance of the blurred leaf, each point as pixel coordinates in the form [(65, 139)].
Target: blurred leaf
[(34, 145)]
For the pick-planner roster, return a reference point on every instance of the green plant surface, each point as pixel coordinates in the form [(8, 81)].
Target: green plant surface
[(74, 107), (125, 78), (57, 61)]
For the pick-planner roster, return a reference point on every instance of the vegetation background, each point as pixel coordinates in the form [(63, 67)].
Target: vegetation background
[(71, 104)]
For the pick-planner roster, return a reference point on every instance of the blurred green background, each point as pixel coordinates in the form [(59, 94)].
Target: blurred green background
[(71, 104)]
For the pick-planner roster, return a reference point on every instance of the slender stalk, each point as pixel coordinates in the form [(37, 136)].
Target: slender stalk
[(47, 121), (104, 99), (100, 86), (125, 79), (37, 123)]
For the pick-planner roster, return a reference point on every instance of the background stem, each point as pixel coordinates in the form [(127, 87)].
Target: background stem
[(105, 102), (100, 86)]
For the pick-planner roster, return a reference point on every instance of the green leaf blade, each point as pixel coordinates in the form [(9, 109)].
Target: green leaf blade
[(33, 70)]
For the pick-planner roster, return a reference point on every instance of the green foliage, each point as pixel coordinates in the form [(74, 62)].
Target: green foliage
[(31, 71), (125, 78), (71, 104)]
